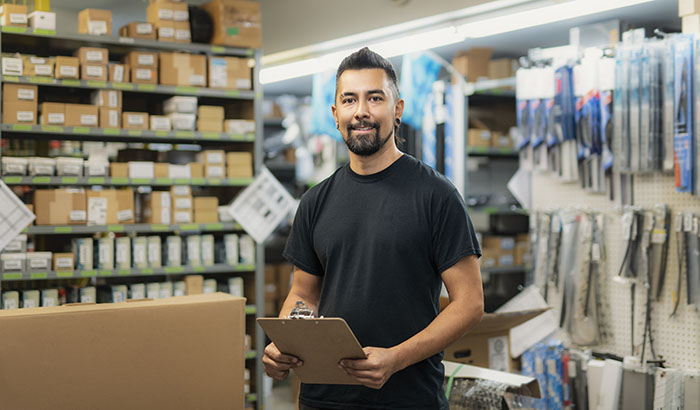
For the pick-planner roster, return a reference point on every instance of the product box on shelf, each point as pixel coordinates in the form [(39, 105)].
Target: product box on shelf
[(60, 206), (83, 252), (67, 67), (119, 170), (157, 208), (210, 125), (502, 68), (43, 20), (49, 297), (160, 170), (119, 73), (182, 216), (196, 170), (473, 63), (15, 165), (19, 112), (110, 207), (81, 115), (141, 169), (214, 171), (173, 251), (63, 261), (13, 15), (88, 294), (30, 298), (210, 118), (688, 7), (194, 283), (183, 69), (142, 59), (229, 72), (209, 287), (180, 104), (110, 117), (19, 92), (181, 190), (239, 126), (206, 209), (122, 253), (236, 23), (212, 157), (42, 166), (166, 30), (13, 262), (139, 252), (183, 34), (160, 11), (12, 64), (138, 291), (180, 12), (211, 112), (239, 165), (92, 55), (10, 300), (135, 120), (182, 202), (95, 21), (137, 29), (143, 75), (107, 98), (69, 166), (500, 140), (181, 121), (96, 72), (53, 113), (34, 66), (154, 251), (105, 253), (19, 244), (160, 123), (179, 171), (183, 323), (478, 138)]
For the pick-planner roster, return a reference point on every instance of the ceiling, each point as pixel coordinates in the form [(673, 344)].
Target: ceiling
[(290, 24)]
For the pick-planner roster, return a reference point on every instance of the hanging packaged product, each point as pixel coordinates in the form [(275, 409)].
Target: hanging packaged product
[(588, 120), (522, 103), (634, 73), (606, 82), (668, 99), (564, 101), (683, 127), (543, 131)]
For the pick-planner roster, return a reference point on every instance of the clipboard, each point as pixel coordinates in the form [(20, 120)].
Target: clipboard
[(318, 342)]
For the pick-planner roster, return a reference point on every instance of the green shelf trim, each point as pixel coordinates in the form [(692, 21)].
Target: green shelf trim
[(162, 134), (145, 87), (174, 269), (244, 268), (147, 271), (182, 181), (96, 180), (71, 83), (41, 180), (44, 32), (124, 272), (198, 181), (12, 276), (210, 135), (189, 227), (115, 228), (135, 133), (62, 229), (12, 180), (97, 84), (250, 52), (111, 131), (122, 86), (214, 227), (184, 134), (214, 181), (120, 181), (105, 272), (233, 93), (64, 274), (240, 181), (53, 128), (41, 80), (198, 269), (251, 398), (164, 181), (159, 228), (10, 78), (217, 49), (187, 90), (38, 275), (69, 180), (250, 310), (250, 354), (14, 29), (141, 181), (88, 273), (81, 130), (21, 127)]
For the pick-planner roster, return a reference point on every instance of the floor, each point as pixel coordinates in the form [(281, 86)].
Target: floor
[(282, 398)]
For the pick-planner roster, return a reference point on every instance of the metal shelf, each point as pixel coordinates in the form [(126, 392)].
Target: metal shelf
[(117, 134), (501, 87), (251, 398), (73, 41), (115, 181), (251, 354), (136, 228), (492, 152), (102, 273), (141, 88)]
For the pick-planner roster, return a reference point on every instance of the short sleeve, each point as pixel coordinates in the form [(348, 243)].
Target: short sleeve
[(299, 249), (453, 235)]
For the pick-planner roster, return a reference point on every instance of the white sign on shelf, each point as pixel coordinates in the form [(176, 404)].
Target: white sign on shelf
[(262, 206), (14, 215)]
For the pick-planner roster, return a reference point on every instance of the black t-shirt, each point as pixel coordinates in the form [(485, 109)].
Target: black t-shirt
[(380, 242)]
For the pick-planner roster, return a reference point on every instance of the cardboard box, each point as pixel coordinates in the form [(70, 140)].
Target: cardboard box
[(194, 284), (142, 59), (92, 55), (182, 202), (67, 67), (141, 169), (107, 98), (182, 30), (157, 208), (119, 73), (503, 243), (206, 203), (211, 111), (212, 157), (690, 24), (135, 120), (688, 7), (144, 75), (19, 112), (13, 15), (110, 117), (499, 140), (488, 344), (473, 63), (196, 170), (180, 104), (165, 29), (159, 11), (214, 171), (137, 29), (239, 126), (160, 123), (182, 216), (43, 20), (478, 138), (12, 64), (95, 21), (81, 115), (63, 261), (93, 72), (236, 23), (110, 207), (210, 125), (502, 68), (60, 206), (53, 113), (119, 170), (229, 72), (181, 121), (206, 216), (239, 165), (160, 170), (183, 69), (34, 66), (180, 12), (19, 92), (160, 377)]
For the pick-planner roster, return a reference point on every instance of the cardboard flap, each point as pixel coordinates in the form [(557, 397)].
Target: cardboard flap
[(320, 343), (521, 385), (498, 322)]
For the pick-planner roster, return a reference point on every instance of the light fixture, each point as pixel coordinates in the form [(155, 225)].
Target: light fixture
[(523, 15)]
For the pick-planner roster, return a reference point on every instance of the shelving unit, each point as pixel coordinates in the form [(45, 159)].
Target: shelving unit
[(42, 42)]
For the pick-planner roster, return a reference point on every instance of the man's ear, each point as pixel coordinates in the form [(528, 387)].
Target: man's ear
[(335, 115), (398, 110)]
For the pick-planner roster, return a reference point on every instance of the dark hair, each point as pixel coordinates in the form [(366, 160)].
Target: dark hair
[(368, 59)]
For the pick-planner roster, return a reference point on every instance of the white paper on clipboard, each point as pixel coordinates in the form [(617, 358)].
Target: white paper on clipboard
[(14, 215)]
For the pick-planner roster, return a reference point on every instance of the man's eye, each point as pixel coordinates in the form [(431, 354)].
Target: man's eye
[(375, 98), (348, 100)]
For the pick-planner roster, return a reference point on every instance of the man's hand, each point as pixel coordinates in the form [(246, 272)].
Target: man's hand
[(277, 364), (375, 370)]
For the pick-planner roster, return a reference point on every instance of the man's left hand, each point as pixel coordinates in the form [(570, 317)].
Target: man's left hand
[(375, 370)]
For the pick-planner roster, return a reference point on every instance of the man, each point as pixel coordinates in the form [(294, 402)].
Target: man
[(372, 244)]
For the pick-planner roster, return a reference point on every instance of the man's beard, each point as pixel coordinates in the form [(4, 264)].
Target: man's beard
[(367, 144)]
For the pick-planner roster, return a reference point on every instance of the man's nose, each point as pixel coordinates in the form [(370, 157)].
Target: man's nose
[(362, 110)]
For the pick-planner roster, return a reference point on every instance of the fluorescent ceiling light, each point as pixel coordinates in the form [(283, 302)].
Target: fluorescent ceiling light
[(478, 27)]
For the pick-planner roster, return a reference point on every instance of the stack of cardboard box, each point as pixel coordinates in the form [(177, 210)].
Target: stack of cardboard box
[(473, 64), (689, 12), (183, 69), (182, 205), (143, 66), (229, 72), (93, 63), (109, 106), (60, 206), (67, 67), (157, 208), (137, 29), (210, 118), (206, 209), (182, 112), (160, 14), (239, 164), (214, 163), (95, 21), (34, 66), (110, 207), (19, 104), (498, 251)]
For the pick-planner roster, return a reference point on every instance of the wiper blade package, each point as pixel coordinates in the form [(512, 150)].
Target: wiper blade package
[(543, 130), (606, 78), (525, 114), (565, 100), (683, 116)]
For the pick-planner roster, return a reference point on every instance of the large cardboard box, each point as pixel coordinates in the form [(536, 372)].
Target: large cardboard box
[(110, 117), (81, 115), (183, 69), (473, 63), (142, 59), (183, 34), (143, 75), (67, 67), (137, 29), (19, 92), (53, 113), (13, 15), (119, 73), (488, 344), (229, 72), (38, 66), (135, 120), (157, 208), (107, 98), (60, 206), (181, 352), (119, 169), (93, 72), (239, 165), (92, 55), (236, 23), (19, 112), (95, 21), (206, 216), (478, 138), (110, 207)]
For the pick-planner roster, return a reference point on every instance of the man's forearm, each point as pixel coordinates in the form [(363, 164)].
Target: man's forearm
[(291, 302), (451, 324)]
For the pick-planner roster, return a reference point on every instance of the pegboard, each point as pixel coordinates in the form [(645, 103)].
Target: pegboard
[(676, 339)]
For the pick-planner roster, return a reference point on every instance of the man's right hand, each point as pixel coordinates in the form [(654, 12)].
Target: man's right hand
[(277, 364)]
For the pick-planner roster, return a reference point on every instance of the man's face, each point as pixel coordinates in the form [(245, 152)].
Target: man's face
[(365, 110)]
